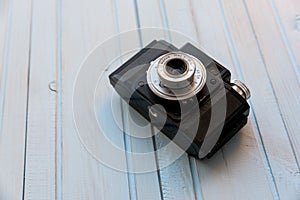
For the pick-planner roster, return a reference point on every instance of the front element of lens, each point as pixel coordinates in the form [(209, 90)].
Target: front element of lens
[(176, 67), (176, 76)]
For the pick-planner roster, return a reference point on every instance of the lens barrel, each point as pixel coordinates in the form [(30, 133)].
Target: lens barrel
[(176, 76)]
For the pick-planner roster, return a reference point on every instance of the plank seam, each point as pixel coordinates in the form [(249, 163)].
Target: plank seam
[(5, 62), (27, 99), (194, 19), (166, 25), (127, 143), (195, 177), (157, 164), (285, 39), (272, 86), (165, 19), (118, 29), (58, 140), (152, 129), (236, 62), (138, 22)]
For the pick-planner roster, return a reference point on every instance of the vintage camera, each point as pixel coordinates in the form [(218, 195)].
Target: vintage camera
[(186, 94)]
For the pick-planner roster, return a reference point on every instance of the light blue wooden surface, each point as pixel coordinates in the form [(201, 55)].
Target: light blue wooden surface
[(43, 44)]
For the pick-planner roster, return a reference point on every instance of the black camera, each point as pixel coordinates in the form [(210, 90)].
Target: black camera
[(184, 93)]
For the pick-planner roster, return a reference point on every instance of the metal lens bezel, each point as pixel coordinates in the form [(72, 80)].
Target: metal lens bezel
[(176, 87)]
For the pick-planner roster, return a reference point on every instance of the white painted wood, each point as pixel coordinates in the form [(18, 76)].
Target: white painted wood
[(40, 148), (278, 63), (13, 128), (145, 185), (258, 40), (151, 16), (175, 179), (272, 128), (84, 25), (287, 15), (4, 11), (212, 36)]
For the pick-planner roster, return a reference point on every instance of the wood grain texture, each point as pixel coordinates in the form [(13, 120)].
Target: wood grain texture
[(4, 16), (42, 44), (145, 185), (84, 25), (242, 150), (14, 114), (275, 55), (176, 178), (40, 148), (287, 15), (5, 9), (275, 138)]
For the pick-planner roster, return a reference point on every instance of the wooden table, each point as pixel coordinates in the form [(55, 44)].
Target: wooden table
[(43, 43)]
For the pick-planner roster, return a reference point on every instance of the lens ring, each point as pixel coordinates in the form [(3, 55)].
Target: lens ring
[(175, 82), (179, 87)]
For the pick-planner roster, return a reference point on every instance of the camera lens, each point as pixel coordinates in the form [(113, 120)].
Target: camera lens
[(176, 67), (176, 76)]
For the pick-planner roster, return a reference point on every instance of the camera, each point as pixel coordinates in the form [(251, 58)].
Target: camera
[(186, 94)]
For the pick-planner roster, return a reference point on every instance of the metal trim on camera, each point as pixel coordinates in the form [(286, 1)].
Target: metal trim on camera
[(176, 76)]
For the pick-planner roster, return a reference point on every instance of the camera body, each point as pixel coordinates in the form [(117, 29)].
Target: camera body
[(186, 94)]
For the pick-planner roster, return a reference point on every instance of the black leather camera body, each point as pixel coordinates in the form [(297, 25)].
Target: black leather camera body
[(186, 94)]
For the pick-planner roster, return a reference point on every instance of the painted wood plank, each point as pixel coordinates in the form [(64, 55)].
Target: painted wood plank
[(4, 12), (14, 115), (241, 156), (287, 15), (5, 8), (232, 165), (176, 179), (282, 161), (180, 21), (277, 64), (84, 25), (268, 118), (145, 184), (150, 15), (40, 147), (139, 138)]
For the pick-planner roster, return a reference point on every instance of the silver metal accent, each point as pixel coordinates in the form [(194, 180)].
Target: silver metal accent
[(241, 88), (152, 112), (176, 87), (176, 81)]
